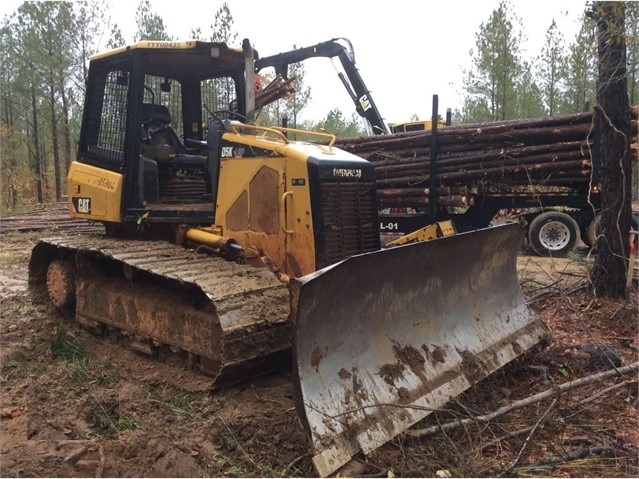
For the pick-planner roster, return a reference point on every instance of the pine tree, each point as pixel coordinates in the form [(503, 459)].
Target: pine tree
[(299, 100), (150, 25), (496, 67), (613, 117), (552, 69), (336, 123), (10, 139), (223, 29), (116, 39), (530, 103), (581, 69)]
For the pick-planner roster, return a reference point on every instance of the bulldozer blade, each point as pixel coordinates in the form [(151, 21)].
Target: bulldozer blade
[(382, 339)]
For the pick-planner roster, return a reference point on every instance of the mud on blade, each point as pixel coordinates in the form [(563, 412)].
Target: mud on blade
[(409, 326)]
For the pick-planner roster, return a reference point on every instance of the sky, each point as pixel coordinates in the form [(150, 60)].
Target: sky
[(405, 50)]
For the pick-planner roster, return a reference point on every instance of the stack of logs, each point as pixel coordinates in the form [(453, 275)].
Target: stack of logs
[(514, 155)]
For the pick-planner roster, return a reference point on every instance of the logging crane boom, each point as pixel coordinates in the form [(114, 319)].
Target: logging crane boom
[(350, 77)]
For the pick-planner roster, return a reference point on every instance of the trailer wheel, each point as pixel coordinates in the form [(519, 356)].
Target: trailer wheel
[(553, 233)]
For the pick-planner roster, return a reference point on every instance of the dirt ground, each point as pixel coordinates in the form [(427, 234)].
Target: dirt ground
[(75, 405)]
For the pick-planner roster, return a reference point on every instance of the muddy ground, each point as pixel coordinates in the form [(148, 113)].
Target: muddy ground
[(75, 405)]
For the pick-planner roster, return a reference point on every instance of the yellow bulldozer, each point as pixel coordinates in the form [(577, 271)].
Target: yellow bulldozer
[(240, 251)]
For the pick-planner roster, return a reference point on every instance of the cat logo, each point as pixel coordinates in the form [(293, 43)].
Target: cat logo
[(365, 103), (82, 205)]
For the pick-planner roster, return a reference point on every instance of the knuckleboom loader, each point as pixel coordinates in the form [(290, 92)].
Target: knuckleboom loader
[(342, 49), (230, 246)]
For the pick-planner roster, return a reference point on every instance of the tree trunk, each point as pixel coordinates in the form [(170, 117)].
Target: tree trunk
[(611, 262), (67, 128), (35, 152), (11, 198), (55, 144)]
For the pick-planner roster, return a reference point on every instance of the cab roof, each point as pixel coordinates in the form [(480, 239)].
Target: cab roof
[(174, 58)]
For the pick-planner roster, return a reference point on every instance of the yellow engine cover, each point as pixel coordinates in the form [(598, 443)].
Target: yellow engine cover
[(258, 204)]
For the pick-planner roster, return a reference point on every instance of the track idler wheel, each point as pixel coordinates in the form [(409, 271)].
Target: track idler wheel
[(61, 284)]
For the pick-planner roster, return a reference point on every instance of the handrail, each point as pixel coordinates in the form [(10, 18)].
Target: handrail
[(283, 215), (330, 136), (279, 132), (234, 126)]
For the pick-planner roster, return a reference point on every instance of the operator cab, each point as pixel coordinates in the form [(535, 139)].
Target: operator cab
[(148, 108)]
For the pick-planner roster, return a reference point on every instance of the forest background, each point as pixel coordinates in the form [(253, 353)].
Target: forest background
[(45, 47)]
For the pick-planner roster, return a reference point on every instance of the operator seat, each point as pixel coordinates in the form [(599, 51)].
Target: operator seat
[(169, 172), (157, 130)]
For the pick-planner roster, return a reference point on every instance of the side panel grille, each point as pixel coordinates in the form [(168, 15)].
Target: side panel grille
[(349, 213)]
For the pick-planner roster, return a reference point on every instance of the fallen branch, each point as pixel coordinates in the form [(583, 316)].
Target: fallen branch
[(548, 393), (551, 290), (75, 455), (541, 420), (290, 465), (573, 456), (508, 435), (603, 392)]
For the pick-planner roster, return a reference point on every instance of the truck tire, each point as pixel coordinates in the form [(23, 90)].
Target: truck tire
[(553, 233)]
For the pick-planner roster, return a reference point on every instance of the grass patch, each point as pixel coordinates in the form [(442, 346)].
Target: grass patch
[(67, 348), (180, 402), (103, 414), (242, 463), (576, 257), (124, 424)]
